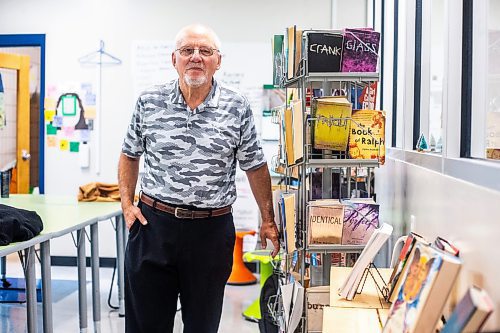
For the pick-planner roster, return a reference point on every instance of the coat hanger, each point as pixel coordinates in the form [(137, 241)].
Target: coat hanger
[(99, 57)]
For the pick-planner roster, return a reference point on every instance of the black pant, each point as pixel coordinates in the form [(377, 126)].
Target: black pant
[(169, 257)]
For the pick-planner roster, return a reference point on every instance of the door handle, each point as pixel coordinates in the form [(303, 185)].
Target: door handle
[(25, 155)]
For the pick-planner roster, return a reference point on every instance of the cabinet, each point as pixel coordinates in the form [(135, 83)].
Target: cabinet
[(338, 170)]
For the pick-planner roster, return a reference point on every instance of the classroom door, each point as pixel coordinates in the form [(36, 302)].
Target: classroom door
[(19, 66)]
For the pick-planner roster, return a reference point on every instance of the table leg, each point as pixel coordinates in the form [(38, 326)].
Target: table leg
[(327, 264), (46, 287), (30, 277), (96, 292), (3, 268), (82, 279), (120, 262)]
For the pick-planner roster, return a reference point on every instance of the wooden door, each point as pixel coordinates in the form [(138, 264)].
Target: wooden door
[(21, 64)]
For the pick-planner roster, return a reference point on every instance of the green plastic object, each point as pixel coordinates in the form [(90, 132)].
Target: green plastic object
[(252, 313), (422, 143)]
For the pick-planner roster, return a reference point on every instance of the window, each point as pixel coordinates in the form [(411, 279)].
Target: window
[(434, 130), (492, 142)]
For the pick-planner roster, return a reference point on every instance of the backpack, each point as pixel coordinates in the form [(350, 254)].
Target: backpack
[(269, 289)]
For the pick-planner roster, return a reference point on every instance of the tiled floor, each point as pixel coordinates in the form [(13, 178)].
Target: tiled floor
[(65, 311)]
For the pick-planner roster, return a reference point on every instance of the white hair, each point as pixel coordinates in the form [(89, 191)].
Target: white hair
[(198, 28)]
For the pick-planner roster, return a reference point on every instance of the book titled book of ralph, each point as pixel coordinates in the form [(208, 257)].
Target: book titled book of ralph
[(367, 137)]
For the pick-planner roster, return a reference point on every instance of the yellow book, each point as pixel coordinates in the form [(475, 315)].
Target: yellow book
[(331, 129), (367, 138), (290, 159), (290, 218)]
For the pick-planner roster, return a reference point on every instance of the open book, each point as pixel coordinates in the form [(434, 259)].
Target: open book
[(377, 239), (293, 303)]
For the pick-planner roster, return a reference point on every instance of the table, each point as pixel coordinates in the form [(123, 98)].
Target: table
[(62, 215), (365, 313)]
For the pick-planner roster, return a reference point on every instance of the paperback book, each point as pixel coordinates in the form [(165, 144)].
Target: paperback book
[(424, 291), (332, 122), (360, 221), (325, 221), (367, 135), (360, 51)]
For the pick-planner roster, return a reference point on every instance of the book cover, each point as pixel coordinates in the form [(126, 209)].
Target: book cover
[(378, 238), (424, 266), (471, 312), (332, 122), (290, 57), (425, 289), (367, 137), (324, 52), (298, 52), (289, 216), (360, 221), (288, 123), (277, 47), (401, 266), (364, 96), (325, 222), (360, 51), (446, 246), (298, 130)]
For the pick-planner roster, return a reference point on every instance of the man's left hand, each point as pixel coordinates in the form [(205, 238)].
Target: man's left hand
[(268, 230)]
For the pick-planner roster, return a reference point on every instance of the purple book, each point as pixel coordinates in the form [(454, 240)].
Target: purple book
[(360, 51), (360, 220)]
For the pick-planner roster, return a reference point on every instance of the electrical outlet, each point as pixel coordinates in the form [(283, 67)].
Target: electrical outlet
[(413, 223)]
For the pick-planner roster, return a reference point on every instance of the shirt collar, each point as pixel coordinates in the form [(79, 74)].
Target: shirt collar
[(211, 101)]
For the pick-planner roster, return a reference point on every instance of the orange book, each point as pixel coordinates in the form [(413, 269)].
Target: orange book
[(367, 135)]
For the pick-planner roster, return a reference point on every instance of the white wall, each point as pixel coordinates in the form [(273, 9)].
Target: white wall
[(74, 29), (463, 213)]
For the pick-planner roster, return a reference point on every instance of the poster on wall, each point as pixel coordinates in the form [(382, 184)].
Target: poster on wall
[(67, 122)]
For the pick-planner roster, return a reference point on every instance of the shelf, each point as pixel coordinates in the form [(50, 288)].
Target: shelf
[(336, 162), (335, 77), (328, 248)]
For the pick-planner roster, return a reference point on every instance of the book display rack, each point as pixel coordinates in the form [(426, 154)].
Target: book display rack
[(321, 163)]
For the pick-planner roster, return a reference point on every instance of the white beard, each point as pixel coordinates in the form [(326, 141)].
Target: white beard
[(195, 82)]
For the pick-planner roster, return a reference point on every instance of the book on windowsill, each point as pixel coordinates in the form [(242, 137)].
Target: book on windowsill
[(426, 286), (401, 266), (471, 312)]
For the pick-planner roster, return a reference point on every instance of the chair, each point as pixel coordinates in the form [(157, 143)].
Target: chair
[(240, 274), (252, 313)]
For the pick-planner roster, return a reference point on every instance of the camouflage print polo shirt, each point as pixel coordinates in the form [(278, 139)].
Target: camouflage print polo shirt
[(190, 155)]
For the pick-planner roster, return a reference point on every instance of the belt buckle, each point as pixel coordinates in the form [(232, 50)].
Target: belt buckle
[(179, 209)]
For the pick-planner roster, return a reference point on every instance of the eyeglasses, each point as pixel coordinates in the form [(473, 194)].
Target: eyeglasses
[(203, 51)]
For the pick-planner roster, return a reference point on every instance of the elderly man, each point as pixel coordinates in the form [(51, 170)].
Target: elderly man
[(191, 131)]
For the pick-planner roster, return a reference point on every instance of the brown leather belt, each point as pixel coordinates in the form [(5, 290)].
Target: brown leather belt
[(182, 213)]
